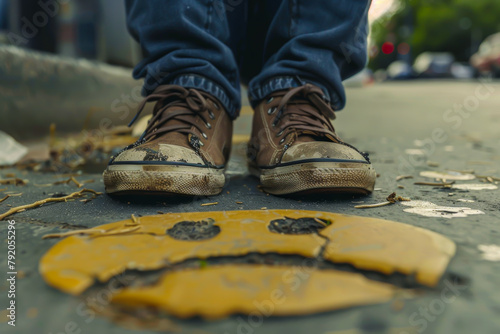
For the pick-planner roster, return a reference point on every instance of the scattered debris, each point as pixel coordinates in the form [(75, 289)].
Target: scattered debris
[(391, 199), (414, 151), (490, 252), (465, 200), (449, 175), (10, 150), (48, 200), (462, 171), (70, 233), (449, 148), (14, 181), (10, 195), (474, 186), (369, 206), (401, 187), (135, 221), (432, 164), (91, 233), (435, 184), (488, 178), (264, 208), (478, 162), (429, 209), (238, 202), (209, 204), (402, 177), (68, 181), (116, 232)]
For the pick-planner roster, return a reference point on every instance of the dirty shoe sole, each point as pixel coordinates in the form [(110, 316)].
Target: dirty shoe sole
[(317, 177), (163, 179)]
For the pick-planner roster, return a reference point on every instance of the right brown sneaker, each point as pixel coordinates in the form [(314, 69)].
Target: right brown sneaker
[(184, 149), (294, 147)]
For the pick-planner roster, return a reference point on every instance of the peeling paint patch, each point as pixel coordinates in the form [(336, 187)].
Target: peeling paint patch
[(248, 289), (474, 186), (388, 247), (429, 209), (450, 175), (490, 252), (87, 259)]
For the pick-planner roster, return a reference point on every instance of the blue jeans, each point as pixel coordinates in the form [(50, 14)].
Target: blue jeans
[(213, 45)]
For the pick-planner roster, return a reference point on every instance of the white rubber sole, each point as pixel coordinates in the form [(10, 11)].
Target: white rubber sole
[(317, 177), (163, 179)]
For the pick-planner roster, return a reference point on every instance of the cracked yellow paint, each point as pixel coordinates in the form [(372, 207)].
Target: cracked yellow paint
[(73, 264), (255, 289), (388, 247)]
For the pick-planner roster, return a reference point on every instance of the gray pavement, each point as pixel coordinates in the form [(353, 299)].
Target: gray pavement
[(454, 124)]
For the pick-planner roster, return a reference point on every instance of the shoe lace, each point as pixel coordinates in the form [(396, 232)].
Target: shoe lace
[(191, 104), (303, 111)]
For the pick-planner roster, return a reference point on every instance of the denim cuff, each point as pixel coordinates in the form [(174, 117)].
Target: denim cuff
[(260, 92), (208, 86)]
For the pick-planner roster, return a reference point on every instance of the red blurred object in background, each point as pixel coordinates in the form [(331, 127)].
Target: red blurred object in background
[(403, 48), (387, 48)]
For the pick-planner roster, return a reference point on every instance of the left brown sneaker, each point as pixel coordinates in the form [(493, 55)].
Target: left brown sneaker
[(294, 147)]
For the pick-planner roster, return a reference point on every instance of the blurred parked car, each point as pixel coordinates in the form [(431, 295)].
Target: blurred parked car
[(400, 70), (463, 71), (487, 59), (434, 64)]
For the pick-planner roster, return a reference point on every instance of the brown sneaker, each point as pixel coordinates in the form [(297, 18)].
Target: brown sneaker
[(294, 148), (184, 149)]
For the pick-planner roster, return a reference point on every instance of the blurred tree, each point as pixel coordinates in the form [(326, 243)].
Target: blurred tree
[(456, 26)]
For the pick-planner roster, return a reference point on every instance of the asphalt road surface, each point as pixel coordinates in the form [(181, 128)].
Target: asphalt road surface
[(407, 127)]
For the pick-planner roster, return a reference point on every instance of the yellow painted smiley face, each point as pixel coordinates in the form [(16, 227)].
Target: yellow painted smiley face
[(327, 256)]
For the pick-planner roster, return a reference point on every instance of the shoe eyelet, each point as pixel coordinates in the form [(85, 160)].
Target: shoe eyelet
[(204, 135), (282, 140), (216, 105), (269, 100), (271, 110), (208, 125), (211, 115), (279, 133)]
